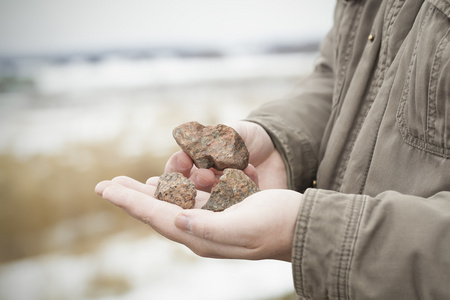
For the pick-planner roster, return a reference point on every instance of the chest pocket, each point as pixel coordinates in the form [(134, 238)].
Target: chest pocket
[(424, 111)]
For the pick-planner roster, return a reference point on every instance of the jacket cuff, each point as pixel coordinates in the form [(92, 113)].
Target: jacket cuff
[(294, 148), (324, 239)]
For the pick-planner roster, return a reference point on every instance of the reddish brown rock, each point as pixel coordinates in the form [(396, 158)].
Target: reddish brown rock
[(177, 189), (217, 147), (233, 187)]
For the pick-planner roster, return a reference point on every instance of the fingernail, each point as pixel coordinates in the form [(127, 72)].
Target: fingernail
[(183, 223)]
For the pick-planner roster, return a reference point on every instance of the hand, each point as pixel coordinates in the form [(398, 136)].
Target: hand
[(266, 167), (260, 227)]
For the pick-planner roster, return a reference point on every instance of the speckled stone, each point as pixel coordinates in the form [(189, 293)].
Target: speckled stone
[(177, 189), (217, 147), (233, 187)]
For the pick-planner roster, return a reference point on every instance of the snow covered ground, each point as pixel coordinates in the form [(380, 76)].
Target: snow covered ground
[(128, 268), (97, 102)]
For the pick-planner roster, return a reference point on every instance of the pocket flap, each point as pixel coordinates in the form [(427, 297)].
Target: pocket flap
[(442, 5)]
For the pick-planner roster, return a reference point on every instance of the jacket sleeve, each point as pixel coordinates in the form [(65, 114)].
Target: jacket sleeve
[(296, 124), (391, 246)]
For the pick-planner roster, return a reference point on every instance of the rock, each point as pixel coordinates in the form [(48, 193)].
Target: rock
[(177, 189), (233, 187), (217, 147)]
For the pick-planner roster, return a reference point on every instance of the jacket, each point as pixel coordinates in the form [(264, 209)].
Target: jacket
[(371, 127)]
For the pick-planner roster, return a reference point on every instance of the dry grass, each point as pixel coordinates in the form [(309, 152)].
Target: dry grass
[(107, 285), (44, 191)]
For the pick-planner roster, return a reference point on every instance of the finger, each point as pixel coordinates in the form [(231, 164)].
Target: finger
[(100, 187), (160, 216), (179, 162), (204, 179), (207, 244), (156, 213), (136, 185), (222, 228), (251, 172), (272, 173), (201, 199), (257, 140), (153, 181)]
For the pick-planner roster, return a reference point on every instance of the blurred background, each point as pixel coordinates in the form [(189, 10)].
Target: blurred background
[(91, 89)]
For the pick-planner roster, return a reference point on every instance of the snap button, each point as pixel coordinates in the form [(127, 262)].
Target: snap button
[(371, 37)]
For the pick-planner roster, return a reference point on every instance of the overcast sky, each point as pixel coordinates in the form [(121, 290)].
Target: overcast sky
[(54, 26)]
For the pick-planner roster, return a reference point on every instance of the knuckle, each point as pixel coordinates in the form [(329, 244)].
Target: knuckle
[(202, 231), (169, 167), (208, 235), (108, 192)]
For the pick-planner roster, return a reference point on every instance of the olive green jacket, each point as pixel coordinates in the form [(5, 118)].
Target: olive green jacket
[(372, 126)]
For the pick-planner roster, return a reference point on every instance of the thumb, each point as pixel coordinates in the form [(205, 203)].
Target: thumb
[(193, 221), (208, 225)]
